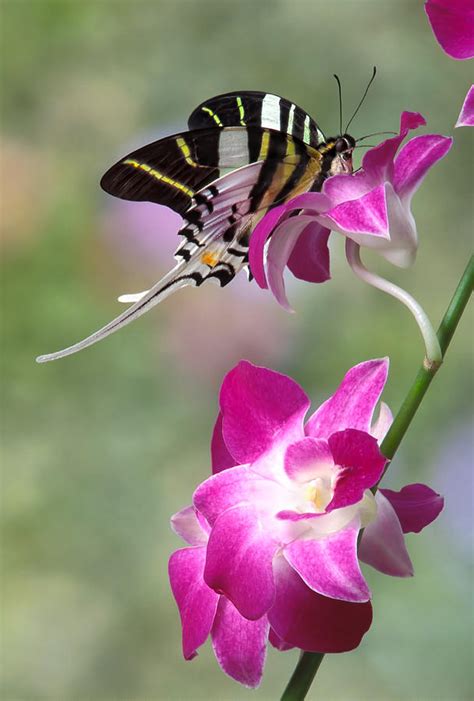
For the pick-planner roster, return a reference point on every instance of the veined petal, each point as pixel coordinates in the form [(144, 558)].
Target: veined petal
[(239, 561), (197, 603), (378, 162), (366, 215), (353, 403), (383, 545), (330, 566), (260, 408), (234, 486), (415, 160), (360, 464), (345, 187), (220, 456), (312, 622), (239, 644), (382, 424), (303, 458), (309, 259), (280, 248), (190, 526), (466, 116), (416, 506), (452, 22)]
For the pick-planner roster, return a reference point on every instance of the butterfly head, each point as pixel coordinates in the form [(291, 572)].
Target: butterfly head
[(340, 154)]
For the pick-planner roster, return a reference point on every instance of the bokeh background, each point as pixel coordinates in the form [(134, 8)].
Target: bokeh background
[(99, 449)]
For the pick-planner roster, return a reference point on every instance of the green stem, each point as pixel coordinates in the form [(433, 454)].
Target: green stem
[(309, 662)]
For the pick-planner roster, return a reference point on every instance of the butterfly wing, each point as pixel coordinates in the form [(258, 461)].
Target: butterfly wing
[(257, 109), (216, 230), (172, 170)]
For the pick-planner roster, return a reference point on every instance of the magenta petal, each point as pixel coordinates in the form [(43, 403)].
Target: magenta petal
[(303, 458), (196, 602), (416, 506), (344, 187), (281, 246), (220, 456), (452, 22), (309, 259), (237, 484), (383, 545), (353, 403), (239, 644), (260, 407), (414, 161), (366, 215), (360, 463), (239, 561), (466, 117), (312, 622), (277, 642), (377, 163), (258, 241), (190, 526), (330, 566)]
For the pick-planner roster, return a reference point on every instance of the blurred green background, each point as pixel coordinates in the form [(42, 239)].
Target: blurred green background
[(99, 449)]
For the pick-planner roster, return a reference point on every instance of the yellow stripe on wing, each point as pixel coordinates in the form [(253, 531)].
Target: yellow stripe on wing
[(186, 151), (160, 176), (213, 115)]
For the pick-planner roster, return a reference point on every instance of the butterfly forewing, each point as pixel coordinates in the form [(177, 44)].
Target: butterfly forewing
[(250, 108)]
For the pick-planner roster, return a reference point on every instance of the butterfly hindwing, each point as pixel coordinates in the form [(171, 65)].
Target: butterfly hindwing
[(251, 108)]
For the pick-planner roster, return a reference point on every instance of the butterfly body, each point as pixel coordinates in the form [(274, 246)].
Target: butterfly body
[(244, 154)]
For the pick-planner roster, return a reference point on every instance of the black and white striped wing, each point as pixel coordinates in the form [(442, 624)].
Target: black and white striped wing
[(257, 109)]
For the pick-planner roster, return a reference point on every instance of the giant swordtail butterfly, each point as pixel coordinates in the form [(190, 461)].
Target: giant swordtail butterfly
[(244, 153)]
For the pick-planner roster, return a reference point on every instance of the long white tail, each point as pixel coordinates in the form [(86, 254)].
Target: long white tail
[(171, 282)]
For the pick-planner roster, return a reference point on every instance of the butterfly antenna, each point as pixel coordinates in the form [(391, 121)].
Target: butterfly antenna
[(376, 133), (362, 100), (340, 102)]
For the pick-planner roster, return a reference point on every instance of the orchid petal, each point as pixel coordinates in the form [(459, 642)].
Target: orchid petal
[(415, 160), (353, 403), (309, 259), (258, 242), (233, 486), (280, 248), (360, 466), (312, 622), (377, 163), (383, 545), (466, 116), (190, 526), (277, 642), (382, 424), (330, 566), (220, 456), (401, 250), (452, 22), (239, 644), (303, 458), (416, 506), (366, 215), (345, 187), (260, 408), (239, 561), (197, 603)]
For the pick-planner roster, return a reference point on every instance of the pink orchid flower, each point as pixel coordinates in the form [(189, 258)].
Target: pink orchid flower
[(452, 22), (372, 208), (274, 532), (466, 116)]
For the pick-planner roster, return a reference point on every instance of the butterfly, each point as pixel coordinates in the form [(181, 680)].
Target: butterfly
[(244, 153)]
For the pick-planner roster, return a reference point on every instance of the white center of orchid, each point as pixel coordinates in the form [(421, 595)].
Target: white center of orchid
[(320, 491)]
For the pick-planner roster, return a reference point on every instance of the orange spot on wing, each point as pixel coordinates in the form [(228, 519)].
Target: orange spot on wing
[(210, 259)]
